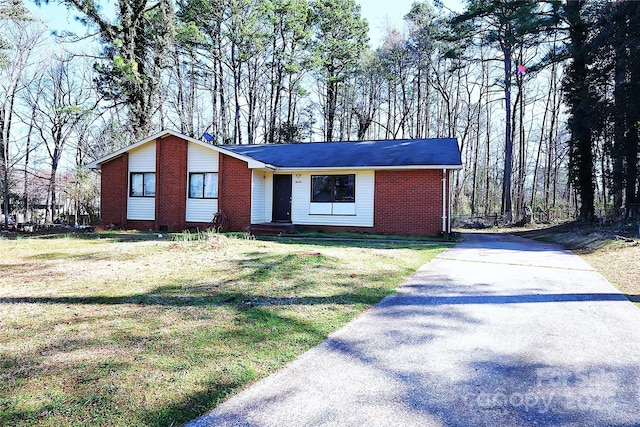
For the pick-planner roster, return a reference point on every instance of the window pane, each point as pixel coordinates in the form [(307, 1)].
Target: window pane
[(149, 184), (321, 188), (345, 188), (196, 185), (210, 185), (136, 185)]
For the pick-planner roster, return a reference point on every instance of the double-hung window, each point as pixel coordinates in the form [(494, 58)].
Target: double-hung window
[(142, 184), (203, 185), (333, 188)]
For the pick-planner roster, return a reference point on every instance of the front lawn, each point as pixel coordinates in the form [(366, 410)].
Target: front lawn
[(116, 329)]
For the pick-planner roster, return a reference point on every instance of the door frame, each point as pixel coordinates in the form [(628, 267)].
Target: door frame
[(280, 204)]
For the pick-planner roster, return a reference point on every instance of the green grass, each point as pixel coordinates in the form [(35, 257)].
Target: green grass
[(370, 236), (132, 329)]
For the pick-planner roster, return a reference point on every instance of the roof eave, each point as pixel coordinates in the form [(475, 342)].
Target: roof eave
[(334, 168), (253, 163)]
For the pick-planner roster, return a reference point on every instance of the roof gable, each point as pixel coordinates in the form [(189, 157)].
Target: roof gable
[(163, 134)]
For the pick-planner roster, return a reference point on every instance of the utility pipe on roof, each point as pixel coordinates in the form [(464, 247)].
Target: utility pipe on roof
[(444, 201)]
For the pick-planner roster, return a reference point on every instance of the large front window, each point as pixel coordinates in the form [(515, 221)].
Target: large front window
[(333, 188), (203, 185), (143, 184)]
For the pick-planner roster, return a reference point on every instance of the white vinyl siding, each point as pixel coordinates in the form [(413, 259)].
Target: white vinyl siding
[(201, 210), (344, 209), (261, 196), (358, 214), (201, 159), (321, 208), (268, 198), (142, 159), (258, 179)]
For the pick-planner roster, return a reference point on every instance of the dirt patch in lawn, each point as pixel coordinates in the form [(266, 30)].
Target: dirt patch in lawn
[(614, 250)]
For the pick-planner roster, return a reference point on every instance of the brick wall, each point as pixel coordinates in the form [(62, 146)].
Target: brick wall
[(235, 192), (408, 202), (171, 183), (114, 192)]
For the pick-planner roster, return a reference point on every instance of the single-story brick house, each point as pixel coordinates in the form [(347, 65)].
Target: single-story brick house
[(172, 182)]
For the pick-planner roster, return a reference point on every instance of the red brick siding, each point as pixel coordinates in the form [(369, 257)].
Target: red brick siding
[(235, 192), (114, 191), (408, 202), (171, 183)]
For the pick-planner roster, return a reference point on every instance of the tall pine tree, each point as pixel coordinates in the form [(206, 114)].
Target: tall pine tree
[(509, 26), (340, 38), (135, 49), (581, 102)]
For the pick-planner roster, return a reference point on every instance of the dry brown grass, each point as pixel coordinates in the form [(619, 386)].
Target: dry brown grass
[(619, 262)]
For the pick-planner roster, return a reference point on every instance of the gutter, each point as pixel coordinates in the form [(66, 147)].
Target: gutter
[(358, 168)]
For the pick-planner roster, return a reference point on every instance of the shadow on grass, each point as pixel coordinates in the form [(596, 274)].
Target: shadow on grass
[(379, 242), (195, 404), (498, 386), (256, 320), (260, 326), (70, 256), (95, 392), (284, 275), (238, 299), (115, 236)]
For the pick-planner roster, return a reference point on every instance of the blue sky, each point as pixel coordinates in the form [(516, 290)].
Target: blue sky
[(384, 14), (381, 14)]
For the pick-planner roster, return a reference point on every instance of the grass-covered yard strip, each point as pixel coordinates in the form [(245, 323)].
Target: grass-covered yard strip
[(454, 237), (119, 329)]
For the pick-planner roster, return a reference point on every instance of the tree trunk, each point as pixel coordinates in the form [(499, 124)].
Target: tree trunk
[(332, 101), (508, 142)]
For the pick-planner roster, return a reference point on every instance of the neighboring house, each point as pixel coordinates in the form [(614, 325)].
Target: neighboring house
[(173, 182)]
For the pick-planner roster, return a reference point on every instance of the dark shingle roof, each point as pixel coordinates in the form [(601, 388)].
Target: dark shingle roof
[(388, 153)]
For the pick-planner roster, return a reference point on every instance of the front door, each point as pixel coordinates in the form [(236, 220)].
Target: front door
[(281, 198)]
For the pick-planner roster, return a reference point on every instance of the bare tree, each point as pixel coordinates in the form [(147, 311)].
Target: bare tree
[(62, 97), (23, 36)]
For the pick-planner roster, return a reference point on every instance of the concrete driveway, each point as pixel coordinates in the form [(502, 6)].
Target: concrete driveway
[(498, 331)]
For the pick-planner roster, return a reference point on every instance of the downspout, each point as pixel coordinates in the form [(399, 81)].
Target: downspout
[(221, 192), (449, 209), (444, 201), (159, 185)]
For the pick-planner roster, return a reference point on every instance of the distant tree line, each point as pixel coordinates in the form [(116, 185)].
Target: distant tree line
[(542, 95)]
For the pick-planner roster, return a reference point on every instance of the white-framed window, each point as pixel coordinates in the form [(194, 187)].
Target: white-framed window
[(333, 188)]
